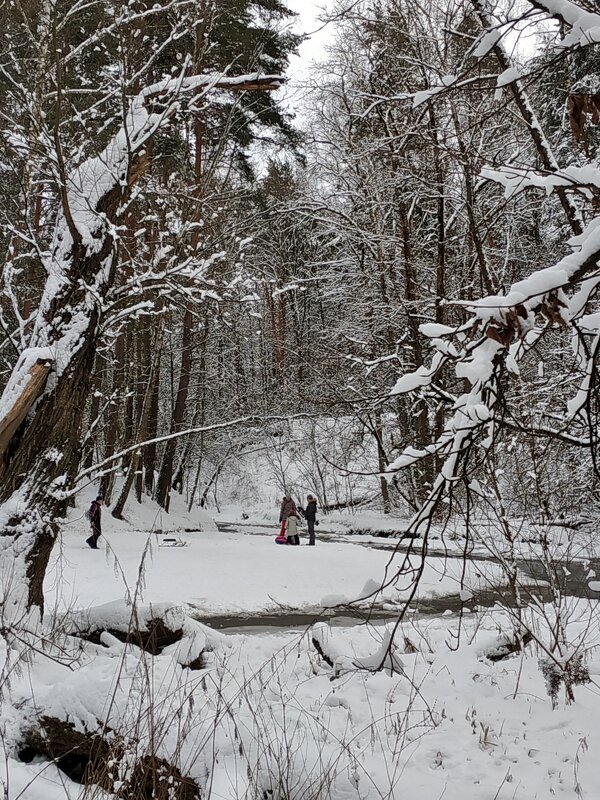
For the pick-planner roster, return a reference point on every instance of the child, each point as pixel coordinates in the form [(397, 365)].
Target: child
[(94, 515), (287, 507), (292, 528)]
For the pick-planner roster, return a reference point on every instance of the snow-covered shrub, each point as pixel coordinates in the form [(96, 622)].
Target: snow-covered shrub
[(568, 670)]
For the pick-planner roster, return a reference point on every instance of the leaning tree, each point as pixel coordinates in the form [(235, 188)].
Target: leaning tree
[(42, 406)]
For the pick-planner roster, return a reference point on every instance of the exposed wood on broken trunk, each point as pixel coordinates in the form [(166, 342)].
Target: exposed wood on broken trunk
[(153, 639), (34, 386)]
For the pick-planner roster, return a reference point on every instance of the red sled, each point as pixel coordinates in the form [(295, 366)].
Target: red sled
[(280, 539)]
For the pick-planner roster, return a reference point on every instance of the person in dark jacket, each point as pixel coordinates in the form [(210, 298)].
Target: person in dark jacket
[(287, 507), (95, 516), (310, 515)]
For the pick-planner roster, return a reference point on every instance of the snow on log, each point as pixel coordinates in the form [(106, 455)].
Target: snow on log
[(99, 757), (159, 628), (505, 645), (120, 719), (334, 650)]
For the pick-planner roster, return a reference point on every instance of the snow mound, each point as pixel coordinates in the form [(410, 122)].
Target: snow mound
[(160, 627), (336, 652)]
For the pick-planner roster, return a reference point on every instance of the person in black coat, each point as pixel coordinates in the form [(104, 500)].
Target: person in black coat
[(95, 516), (310, 515)]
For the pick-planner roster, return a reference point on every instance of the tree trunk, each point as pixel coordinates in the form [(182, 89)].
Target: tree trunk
[(165, 479), (41, 457), (90, 444), (44, 458), (114, 414), (149, 458), (382, 463)]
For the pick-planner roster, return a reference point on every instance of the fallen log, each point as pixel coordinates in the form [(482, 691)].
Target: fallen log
[(157, 629), (507, 645)]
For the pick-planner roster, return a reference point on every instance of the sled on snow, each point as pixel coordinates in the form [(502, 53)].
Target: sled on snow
[(172, 541)]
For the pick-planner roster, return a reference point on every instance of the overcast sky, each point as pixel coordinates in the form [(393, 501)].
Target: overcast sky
[(307, 22), (313, 49)]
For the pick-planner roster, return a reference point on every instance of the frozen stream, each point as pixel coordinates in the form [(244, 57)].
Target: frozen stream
[(570, 574), (238, 578)]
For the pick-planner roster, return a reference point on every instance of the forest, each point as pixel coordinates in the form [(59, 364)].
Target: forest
[(223, 284)]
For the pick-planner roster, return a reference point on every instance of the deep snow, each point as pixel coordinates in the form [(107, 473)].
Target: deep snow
[(266, 714)]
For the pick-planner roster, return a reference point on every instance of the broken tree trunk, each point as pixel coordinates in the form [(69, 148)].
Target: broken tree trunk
[(85, 757), (33, 383)]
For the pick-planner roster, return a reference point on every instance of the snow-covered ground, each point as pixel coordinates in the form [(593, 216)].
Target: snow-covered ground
[(575, 539), (267, 716), (236, 573), (239, 572)]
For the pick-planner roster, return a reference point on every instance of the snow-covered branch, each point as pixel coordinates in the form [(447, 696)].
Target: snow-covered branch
[(96, 192), (250, 419), (508, 324), (517, 179), (584, 24)]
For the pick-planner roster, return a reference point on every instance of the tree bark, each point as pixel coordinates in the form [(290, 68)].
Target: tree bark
[(135, 464), (382, 464), (165, 478), (150, 450), (114, 414)]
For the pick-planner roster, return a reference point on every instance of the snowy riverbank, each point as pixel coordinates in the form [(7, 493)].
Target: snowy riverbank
[(241, 573), (268, 717), (296, 714)]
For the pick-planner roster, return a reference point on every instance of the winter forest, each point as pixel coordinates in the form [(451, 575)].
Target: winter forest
[(268, 265)]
